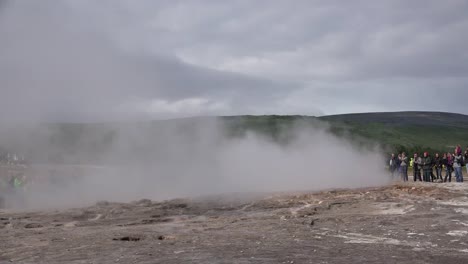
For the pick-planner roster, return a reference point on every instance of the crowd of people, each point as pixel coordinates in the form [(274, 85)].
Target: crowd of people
[(8, 158), (12, 183), (13, 179), (424, 166)]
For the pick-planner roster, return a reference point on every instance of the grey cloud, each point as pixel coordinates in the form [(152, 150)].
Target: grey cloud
[(371, 39), (55, 66), (90, 58), (391, 95)]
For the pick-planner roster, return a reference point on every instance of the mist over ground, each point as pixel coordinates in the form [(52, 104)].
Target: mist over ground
[(192, 157)]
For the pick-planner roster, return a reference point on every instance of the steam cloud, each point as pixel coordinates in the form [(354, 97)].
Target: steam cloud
[(53, 68), (184, 159)]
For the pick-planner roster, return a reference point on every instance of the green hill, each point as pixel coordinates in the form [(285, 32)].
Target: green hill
[(410, 131), (396, 131), (403, 118)]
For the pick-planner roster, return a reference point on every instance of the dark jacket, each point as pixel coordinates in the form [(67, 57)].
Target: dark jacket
[(437, 162), (393, 163), (427, 163), (450, 162), (444, 162)]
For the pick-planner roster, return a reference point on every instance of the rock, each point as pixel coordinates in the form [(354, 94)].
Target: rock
[(128, 238), (33, 225), (162, 237)]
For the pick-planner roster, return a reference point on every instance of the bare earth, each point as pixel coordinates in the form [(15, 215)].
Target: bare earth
[(403, 223)]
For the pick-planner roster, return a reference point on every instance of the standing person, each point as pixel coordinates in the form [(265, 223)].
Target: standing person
[(427, 167), (444, 163), (433, 177), (458, 149), (393, 164), (404, 167), (465, 158), (438, 166), (449, 169), (398, 162), (457, 165), (417, 167)]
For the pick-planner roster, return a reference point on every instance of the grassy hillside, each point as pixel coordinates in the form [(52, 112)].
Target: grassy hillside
[(396, 131), (403, 119), (411, 131), (400, 131)]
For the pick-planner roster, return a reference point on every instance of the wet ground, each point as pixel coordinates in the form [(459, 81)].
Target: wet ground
[(403, 223)]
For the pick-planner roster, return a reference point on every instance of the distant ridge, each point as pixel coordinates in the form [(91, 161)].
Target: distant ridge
[(403, 118)]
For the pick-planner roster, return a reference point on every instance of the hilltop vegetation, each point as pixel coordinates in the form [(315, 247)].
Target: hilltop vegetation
[(395, 131), (401, 131), (407, 131)]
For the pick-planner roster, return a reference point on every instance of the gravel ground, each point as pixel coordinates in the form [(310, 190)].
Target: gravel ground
[(401, 223)]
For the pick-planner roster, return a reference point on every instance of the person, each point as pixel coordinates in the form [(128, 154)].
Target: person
[(17, 181), (438, 166), (427, 167), (393, 164), (404, 167), (4, 189), (398, 161), (417, 167), (449, 170), (433, 177), (465, 158), (444, 162), (458, 149), (457, 165)]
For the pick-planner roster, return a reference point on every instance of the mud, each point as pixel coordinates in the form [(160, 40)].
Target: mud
[(402, 223)]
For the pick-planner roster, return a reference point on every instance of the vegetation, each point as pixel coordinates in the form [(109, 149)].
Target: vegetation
[(396, 132)]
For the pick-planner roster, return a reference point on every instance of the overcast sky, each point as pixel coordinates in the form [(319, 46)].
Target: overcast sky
[(100, 60)]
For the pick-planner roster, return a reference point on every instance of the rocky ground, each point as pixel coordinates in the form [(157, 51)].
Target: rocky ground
[(402, 223)]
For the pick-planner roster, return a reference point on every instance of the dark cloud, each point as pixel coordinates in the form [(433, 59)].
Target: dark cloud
[(54, 66), (108, 59)]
